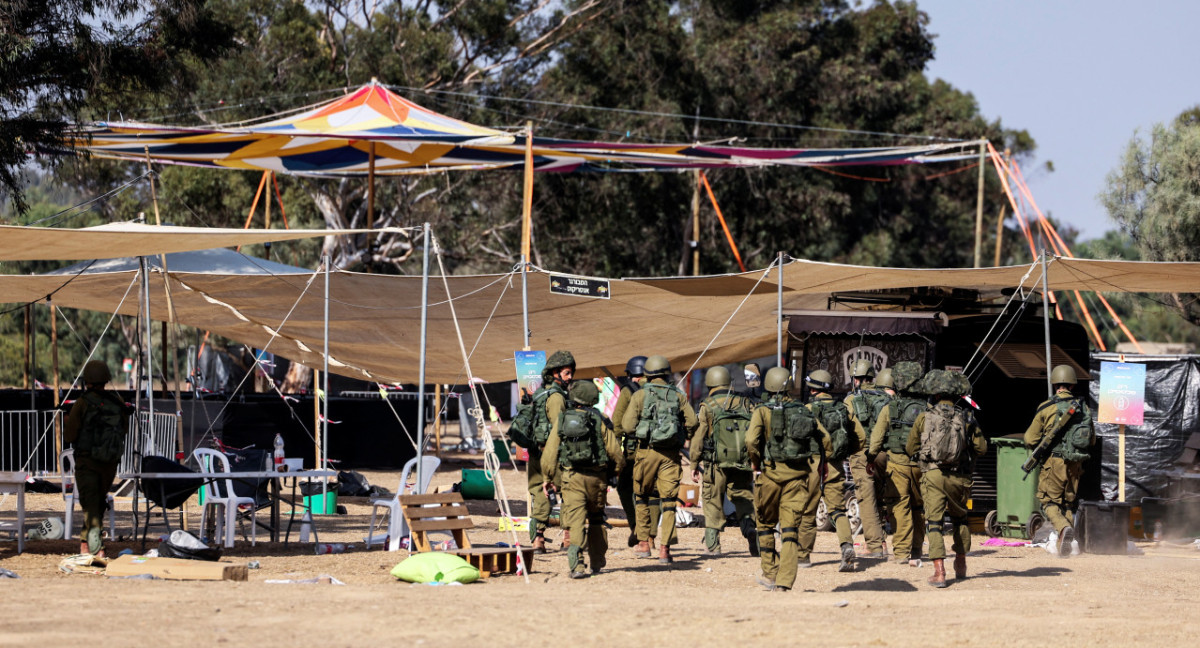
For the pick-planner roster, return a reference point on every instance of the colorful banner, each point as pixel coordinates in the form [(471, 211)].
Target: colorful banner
[(529, 372), (1122, 393)]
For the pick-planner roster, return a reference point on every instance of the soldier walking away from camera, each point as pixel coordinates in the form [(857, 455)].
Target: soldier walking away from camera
[(946, 441), (1062, 428), (864, 404), (662, 419), (630, 384), (890, 433), (784, 444), (96, 426), (549, 402), (581, 454), (836, 421), (718, 453)]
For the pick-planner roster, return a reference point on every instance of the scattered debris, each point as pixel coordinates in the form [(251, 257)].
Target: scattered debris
[(323, 579), (4, 573)]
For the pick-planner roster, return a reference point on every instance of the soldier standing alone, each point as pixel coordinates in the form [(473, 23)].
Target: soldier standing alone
[(662, 419), (947, 440), (1069, 422), (580, 454), (97, 427), (718, 451)]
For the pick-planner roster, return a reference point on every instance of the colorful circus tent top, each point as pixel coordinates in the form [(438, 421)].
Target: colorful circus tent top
[(336, 139)]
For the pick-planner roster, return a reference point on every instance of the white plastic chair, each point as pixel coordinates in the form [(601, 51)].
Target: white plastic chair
[(397, 528), (66, 468), (219, 492)]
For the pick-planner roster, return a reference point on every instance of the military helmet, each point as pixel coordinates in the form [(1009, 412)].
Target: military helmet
[(584, 392), (777, 380), (884, 379), (657, 365), (96, 372), (558, 360), (904, 374), (717, 377), (944, 382), (635, 366), (1063, 375), (819, 379), (863, 368)]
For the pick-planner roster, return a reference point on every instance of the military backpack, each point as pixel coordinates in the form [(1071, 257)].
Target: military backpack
[(793, 432), (661, 422), (868, 403), (944, 435), (730, 421), (904, 412), (836, 419), (1075, 435), (102, 433), (580, 441), (531, 426)]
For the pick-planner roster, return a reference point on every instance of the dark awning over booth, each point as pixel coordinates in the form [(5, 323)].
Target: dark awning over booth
[(864, 322)]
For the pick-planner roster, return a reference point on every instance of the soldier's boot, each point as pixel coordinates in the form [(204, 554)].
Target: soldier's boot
[(882, 554), (766, 583), (938, 579), (94, 547), (960, 566), (539, 543), (1064, 541), (664, 555), (848, 558), (750, 533), (642, 550), (575, 563), (712, 542)]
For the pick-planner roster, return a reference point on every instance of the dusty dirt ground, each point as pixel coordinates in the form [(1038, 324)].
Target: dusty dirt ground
[(1015, 596)]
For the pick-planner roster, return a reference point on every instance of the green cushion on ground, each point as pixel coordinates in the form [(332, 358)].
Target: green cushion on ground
[(435, 566)]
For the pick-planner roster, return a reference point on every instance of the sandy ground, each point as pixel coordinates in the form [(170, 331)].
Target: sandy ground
[(1016, 596)]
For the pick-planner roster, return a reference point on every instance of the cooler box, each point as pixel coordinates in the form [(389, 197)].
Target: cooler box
[(1103, 527)]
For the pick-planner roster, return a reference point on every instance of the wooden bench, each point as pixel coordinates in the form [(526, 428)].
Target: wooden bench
[(447, 512)]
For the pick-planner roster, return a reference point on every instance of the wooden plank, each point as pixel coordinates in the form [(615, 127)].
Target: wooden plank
[(441, 525), (176, 568), (417, 512), (430, 498)]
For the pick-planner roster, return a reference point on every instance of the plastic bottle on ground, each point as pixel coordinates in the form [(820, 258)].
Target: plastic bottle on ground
[(330, 548)]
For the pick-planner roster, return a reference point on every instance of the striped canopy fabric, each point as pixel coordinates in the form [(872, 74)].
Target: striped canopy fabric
[(335, 139)]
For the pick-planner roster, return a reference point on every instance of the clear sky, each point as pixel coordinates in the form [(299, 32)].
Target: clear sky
[(1080, 76)]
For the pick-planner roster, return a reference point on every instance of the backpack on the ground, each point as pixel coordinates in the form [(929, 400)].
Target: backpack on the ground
[(904, 413), (944, 435), (836, 419), (1075, 435), (660, 423), (102, 434), (728, 432), (580, 444), (793, 431), (530, 428)]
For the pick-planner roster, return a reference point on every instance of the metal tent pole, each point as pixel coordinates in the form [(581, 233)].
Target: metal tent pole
[(145, 267), (421, 367), (1046, 322), (779, 313), (325, 386)]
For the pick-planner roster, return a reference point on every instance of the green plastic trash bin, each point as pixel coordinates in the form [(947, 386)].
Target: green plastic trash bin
[(1018, 512), (476, 485)]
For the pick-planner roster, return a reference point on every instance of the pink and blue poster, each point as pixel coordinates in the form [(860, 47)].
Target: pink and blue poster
[(1122, 393)]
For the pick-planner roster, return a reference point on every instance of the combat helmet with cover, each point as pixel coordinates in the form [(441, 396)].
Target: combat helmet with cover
[(944, 382), (905, 373), (96, 372), (558, 360)]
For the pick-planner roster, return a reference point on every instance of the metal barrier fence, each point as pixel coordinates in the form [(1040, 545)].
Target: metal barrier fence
[(27, 440)]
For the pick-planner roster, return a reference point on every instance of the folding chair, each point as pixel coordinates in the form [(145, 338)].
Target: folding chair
[(166, 494), (226, 493)]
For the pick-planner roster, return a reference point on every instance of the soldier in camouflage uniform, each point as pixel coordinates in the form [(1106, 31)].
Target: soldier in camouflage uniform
[(863, 403), (787, 483), (718, 453), (833, 488), (656, 468), (96, 426), (890, 433), (581, 453), (556, 378), (630, 384), (1058, 482), (946, 483)]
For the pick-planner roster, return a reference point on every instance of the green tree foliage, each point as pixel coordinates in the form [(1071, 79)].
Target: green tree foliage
[(57, 58), (1154, 197)]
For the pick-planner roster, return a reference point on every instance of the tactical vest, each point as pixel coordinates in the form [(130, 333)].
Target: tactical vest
[(660, 424), (904, 412), (725, 444), (944, 437), (102, 433), (1075, 435), (581, 438), (868, 403), (793, 434), (836, 419)]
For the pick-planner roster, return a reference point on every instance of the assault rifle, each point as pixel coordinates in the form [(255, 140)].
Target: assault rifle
[(1049, 439)]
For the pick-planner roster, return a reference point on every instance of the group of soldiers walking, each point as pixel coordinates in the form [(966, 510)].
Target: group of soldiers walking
[(775, 459)]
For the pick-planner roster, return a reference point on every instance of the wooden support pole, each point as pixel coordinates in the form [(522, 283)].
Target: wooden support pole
[(527, 195), (999, 235), (696, 223)]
